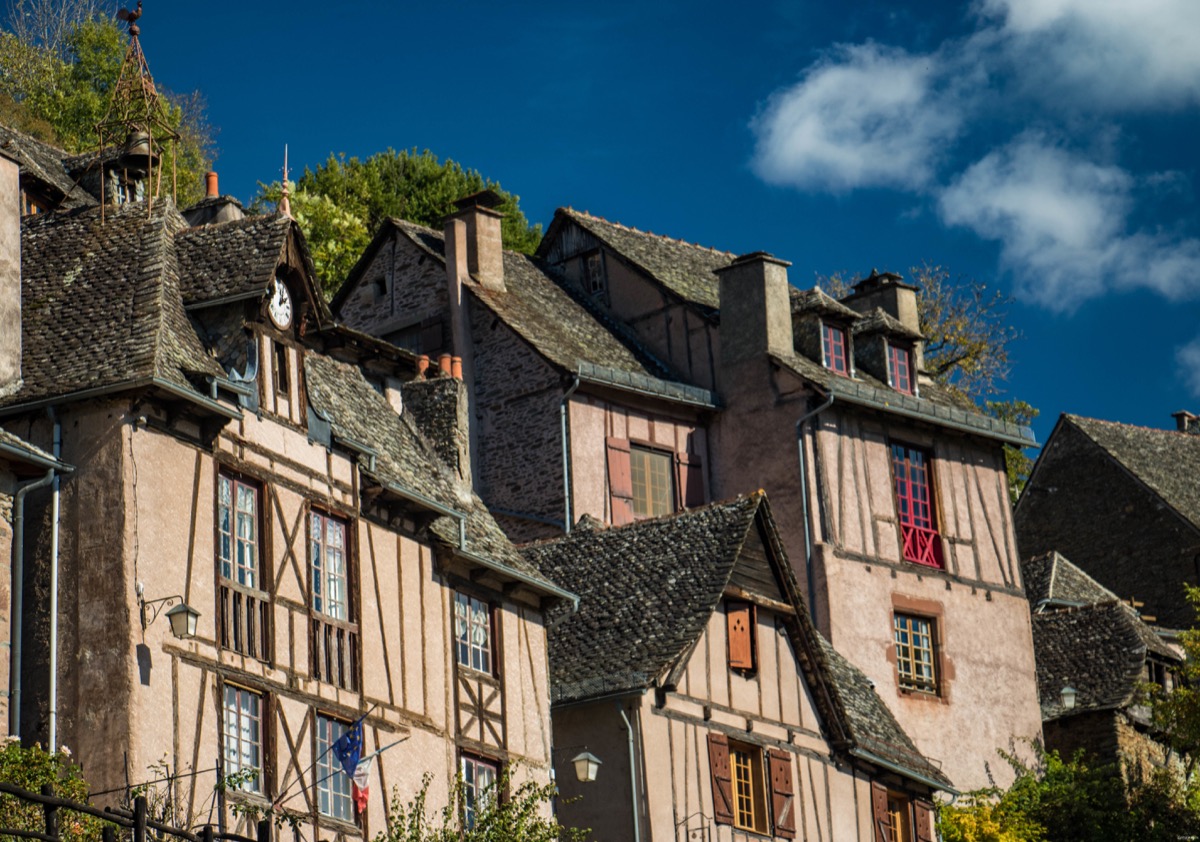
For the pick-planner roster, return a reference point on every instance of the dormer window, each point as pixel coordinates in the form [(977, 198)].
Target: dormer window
[(900, 374), (834, 348), (594, 282)]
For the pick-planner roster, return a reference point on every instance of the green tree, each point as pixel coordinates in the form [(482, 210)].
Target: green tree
[(408, 184), (1176, 713), (524, 816), (967, 337), (31, 769)]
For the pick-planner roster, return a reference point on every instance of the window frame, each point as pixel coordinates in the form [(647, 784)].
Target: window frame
[(328, 771), (916, 513), (260, 785), (492, 666), (281, 375), (335, 644), (829, 332), (593, 275), (662, 458), (756, 785), (900, 362), (245, 619), (905, 622), (471, 790)]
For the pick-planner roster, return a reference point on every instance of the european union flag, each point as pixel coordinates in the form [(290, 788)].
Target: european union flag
[(348, 748)]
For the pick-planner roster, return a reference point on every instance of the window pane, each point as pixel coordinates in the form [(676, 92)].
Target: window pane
[(914, 653), (473, 632), (329, 567), (652, 477), (242, 734), (333, 784)]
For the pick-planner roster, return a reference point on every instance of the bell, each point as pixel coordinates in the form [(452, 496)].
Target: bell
[(138, 154)]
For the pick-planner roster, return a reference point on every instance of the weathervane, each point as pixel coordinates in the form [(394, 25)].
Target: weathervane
[(137, 115)]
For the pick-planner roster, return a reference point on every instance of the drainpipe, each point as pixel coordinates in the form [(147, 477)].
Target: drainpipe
[(53, 742), (18, 594), (566, 457), (806, 518), (633, 788)]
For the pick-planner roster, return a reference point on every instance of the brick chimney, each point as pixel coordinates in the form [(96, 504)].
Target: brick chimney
[(889, 292), (756, 312), (484, 246), (10, 275)]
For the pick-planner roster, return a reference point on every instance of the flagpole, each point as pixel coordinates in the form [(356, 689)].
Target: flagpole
[(279, 798)]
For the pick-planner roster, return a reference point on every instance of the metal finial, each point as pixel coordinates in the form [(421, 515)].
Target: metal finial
[(131, 18), (285, 206)]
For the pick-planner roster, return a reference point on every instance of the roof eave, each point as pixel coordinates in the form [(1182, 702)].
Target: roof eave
[(211, 405), (32, 457), (871, 757)]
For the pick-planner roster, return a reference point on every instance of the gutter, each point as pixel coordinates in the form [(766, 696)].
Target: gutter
[(807, 517), (429, 503), (128, 385), (633, 787), (863, 754), (31, 457)]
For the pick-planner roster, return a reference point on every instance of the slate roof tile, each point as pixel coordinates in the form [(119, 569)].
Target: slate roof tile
[(231, 258), (101, 304), (1052, 577), (45, 164)]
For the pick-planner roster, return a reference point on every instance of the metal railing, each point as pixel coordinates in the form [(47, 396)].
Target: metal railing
[(133, 825)]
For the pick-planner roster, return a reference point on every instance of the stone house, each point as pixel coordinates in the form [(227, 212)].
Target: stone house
[(1119, 501), (303, 487), (692, 667), (608, 380), (1088, 641)]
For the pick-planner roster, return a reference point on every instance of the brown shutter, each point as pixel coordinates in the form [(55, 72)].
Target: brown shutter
[(689, 477), (722, 781), (924, 814), (739, 619), (879, 811), (783, 802), (620, 482)]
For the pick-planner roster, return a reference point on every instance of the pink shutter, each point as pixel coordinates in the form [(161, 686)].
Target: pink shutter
[(739, 618), (690, 479), (924, 821), (879, 812), (783, 801), (620, 481)]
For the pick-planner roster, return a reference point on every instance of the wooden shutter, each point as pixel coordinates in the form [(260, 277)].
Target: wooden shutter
[(620, 481), (722, 781), (783, 802), (689, 478), (739, 619), (879, 812), (924, 820)]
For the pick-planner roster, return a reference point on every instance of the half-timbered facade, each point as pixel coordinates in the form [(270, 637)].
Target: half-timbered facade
[(304, 488), (693, 669)]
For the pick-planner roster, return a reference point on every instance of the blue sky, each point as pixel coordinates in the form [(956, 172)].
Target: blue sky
[(1046, 147)]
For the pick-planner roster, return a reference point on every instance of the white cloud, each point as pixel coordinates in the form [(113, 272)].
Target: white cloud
[(1062, 222), (1108, 54), (1187, 358), (867, 116)]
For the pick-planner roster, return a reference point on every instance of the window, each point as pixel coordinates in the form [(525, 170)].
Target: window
[(916, 666), (740, 787), (593, 274), (333, 784), (740, 624), (898, 825), (334, 630), (479, 783), (243, 736), (473, 633), (650, 474), (833, 344), (900, 368), (280, 369), (243, 611), (900, 818), (914, 506)]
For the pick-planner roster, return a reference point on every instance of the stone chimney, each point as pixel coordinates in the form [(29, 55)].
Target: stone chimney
[(484, 246), (1186, 422), (440, 408), (756, 312), (888, 291), (10, 275)]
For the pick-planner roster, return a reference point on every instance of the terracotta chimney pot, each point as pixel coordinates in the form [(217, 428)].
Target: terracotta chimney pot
[(444, 363), (210, 184), (422, 365), (456, 367)]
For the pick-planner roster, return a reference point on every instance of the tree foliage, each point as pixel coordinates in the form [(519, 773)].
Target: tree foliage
[(524, 816), (967, 337), (1176, 714), (58, 65), (347, 199)]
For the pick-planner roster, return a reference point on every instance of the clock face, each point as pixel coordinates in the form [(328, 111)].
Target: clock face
[(279, 307)]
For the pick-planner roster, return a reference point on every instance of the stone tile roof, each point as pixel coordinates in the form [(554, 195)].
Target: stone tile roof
[(816, 300), (561, 326), (1052, 577), (101, 304), (342, 396), (684, 268), (1165, 461), (630, 578), (14, 448), (1099, 649), (233, 258), (45, 164), (880, 321)]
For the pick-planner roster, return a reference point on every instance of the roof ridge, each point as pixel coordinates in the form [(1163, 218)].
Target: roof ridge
[(633, 230)]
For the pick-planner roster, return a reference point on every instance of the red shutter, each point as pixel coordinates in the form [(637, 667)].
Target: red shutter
[(722, 781), (739, 619), (689, 477), (620, 482), (879, 812), (924, 821), (783, 802)]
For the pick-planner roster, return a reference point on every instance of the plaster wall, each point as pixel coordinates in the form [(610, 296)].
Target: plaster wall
[(8, 485), (10, 275)]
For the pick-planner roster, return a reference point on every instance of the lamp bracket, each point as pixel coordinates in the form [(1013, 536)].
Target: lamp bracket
[(154, 606)]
